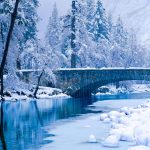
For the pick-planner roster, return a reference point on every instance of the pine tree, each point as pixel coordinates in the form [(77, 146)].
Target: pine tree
[(100, 25), (66, 35), (121, 48), (57, 38), (136, 54), (120, 34), (90, 9), (84, 42), (54, 29), (73, 34)]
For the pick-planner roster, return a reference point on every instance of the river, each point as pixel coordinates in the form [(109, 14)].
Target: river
[(56, 123)]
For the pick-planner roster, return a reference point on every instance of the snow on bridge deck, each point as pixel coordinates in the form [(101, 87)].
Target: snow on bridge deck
[(62, 69), (115, 68)]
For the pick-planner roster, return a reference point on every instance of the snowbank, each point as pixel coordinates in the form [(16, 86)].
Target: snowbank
[(134, 88), (129, 125), (43, 93)]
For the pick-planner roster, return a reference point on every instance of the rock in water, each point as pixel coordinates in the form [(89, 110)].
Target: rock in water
[(92, 139)]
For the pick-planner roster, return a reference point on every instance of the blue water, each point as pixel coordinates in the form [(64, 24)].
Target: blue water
[(22, 122)]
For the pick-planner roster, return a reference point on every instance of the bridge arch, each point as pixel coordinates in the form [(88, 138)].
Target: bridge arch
[(82, 82)]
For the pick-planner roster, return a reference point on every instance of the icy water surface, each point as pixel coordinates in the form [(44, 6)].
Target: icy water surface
[(57, 124)]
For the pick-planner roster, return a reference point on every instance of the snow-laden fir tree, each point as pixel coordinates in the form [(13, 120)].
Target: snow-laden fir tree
[(99, 42), (100, 23), (73, 34), (84, 43), (136, 54), (66, 35), (53, 29), (119, 46), (120, 34), (57, 39), (90, 9)]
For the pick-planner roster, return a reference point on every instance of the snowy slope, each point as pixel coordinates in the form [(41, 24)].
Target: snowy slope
[(135, 14)]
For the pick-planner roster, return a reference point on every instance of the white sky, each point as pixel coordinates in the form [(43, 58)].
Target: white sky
[(45, 10)]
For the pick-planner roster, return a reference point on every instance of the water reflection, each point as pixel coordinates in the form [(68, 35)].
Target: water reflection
[(2, 136), (21, 121)]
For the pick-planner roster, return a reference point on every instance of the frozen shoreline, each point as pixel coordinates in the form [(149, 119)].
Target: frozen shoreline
[(48, 92), (85, 128), (129, 124), (43, 93)]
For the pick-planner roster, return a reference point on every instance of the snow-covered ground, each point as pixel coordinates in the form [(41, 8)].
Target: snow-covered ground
[(48, 92), (43, 93), (134, 88), (126, 127), (129, 124)]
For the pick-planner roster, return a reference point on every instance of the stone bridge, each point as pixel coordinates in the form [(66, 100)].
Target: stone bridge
[(82, 82)]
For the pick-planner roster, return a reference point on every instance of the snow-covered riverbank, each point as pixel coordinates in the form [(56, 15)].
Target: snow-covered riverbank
[(88, 129), (48, 92), (129, 124), (43, 93)]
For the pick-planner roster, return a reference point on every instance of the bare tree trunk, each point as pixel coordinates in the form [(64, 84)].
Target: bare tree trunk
[(73, 36), (117, 85), (18, 64), (6, 48), (3, 42), (2, 36), (37, 87)]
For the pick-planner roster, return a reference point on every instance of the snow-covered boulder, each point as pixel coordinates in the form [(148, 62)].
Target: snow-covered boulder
[(114, 114), (107, 120), (92, 139), (111, 141), (125, 110), (103, 116), (130, 125), (127, 135), (123, 120)]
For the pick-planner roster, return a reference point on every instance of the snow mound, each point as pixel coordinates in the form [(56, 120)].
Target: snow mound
[(103, 117), (130, 125), (92, 139), (111, 141)]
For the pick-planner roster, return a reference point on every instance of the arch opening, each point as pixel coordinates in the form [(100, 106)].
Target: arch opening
[(86, 91)]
